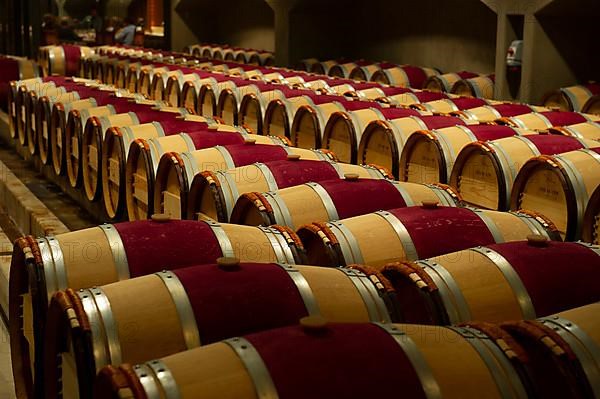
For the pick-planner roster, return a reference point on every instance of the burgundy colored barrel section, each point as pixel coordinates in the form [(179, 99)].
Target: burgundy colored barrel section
[(369, 346), (150, 246), (567, 278), (265, 297)]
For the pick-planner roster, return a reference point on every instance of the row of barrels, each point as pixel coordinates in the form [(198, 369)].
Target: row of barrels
[(51, 129), (584, 98), (534, 121), (463, 83), (15, 68), (80, 301), (231, 53)]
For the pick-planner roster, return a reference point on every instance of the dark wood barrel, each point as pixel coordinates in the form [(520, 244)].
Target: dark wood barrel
[(213, 194), (445, 82), (146, 148), (559, 187), (484, 171), (585, 130), (364, 72), (592, 106), (479, 87), (572, 98), (521, 280), (109, 253), (414, 233), (393, 355), (334, 200), (562, 351), (192, 317), (382, 141), (176, 172), (403, 75), (547, 120), (429, 155), (323, 67), (155, 121), (306, 64)]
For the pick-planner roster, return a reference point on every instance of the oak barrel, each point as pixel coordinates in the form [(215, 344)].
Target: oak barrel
[(414, 233)]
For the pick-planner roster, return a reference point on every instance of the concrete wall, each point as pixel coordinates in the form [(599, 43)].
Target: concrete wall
[(427, 32), (243, 23)]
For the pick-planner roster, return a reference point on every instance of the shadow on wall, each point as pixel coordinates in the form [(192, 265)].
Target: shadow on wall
[(241, 23), (451, 35)]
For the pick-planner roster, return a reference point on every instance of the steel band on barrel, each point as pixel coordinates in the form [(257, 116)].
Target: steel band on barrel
[(184, 308), (373, 302), (348, 243), (429, 384), (308, 297), (117, 249), (513, 279), (259, 374)]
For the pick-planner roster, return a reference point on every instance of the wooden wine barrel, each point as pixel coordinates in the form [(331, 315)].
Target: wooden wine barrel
[(414, 233), (17, 95), (509, 281), (323, 67), (253, 105), (263, 58), (364, 72), (109, 253), (403, 75), (230, 98), (449, 105), (62, 60), (484, 171), (190, 95), (280, 113), (14, 69), (58, 122), (590, 230), (45, 105), (413, 357), (306, 64), (174, 86), (146, 74), (572, 98), (547, 120), (29, 102), (176, 172), (592, 106), (559, 187), (147, 150), (562, 351), (192, 316), (479, 87), (585, 130), (429, 155), (343, 131), (445, 82), (382, 141), (492, 112), (76, 122), (159, 83), (334, 200), (152, 123), (344, 69), (213, 194), (310, 120)]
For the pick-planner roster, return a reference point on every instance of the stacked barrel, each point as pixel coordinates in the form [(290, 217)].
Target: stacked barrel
[(289, 229), (230, 53)]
